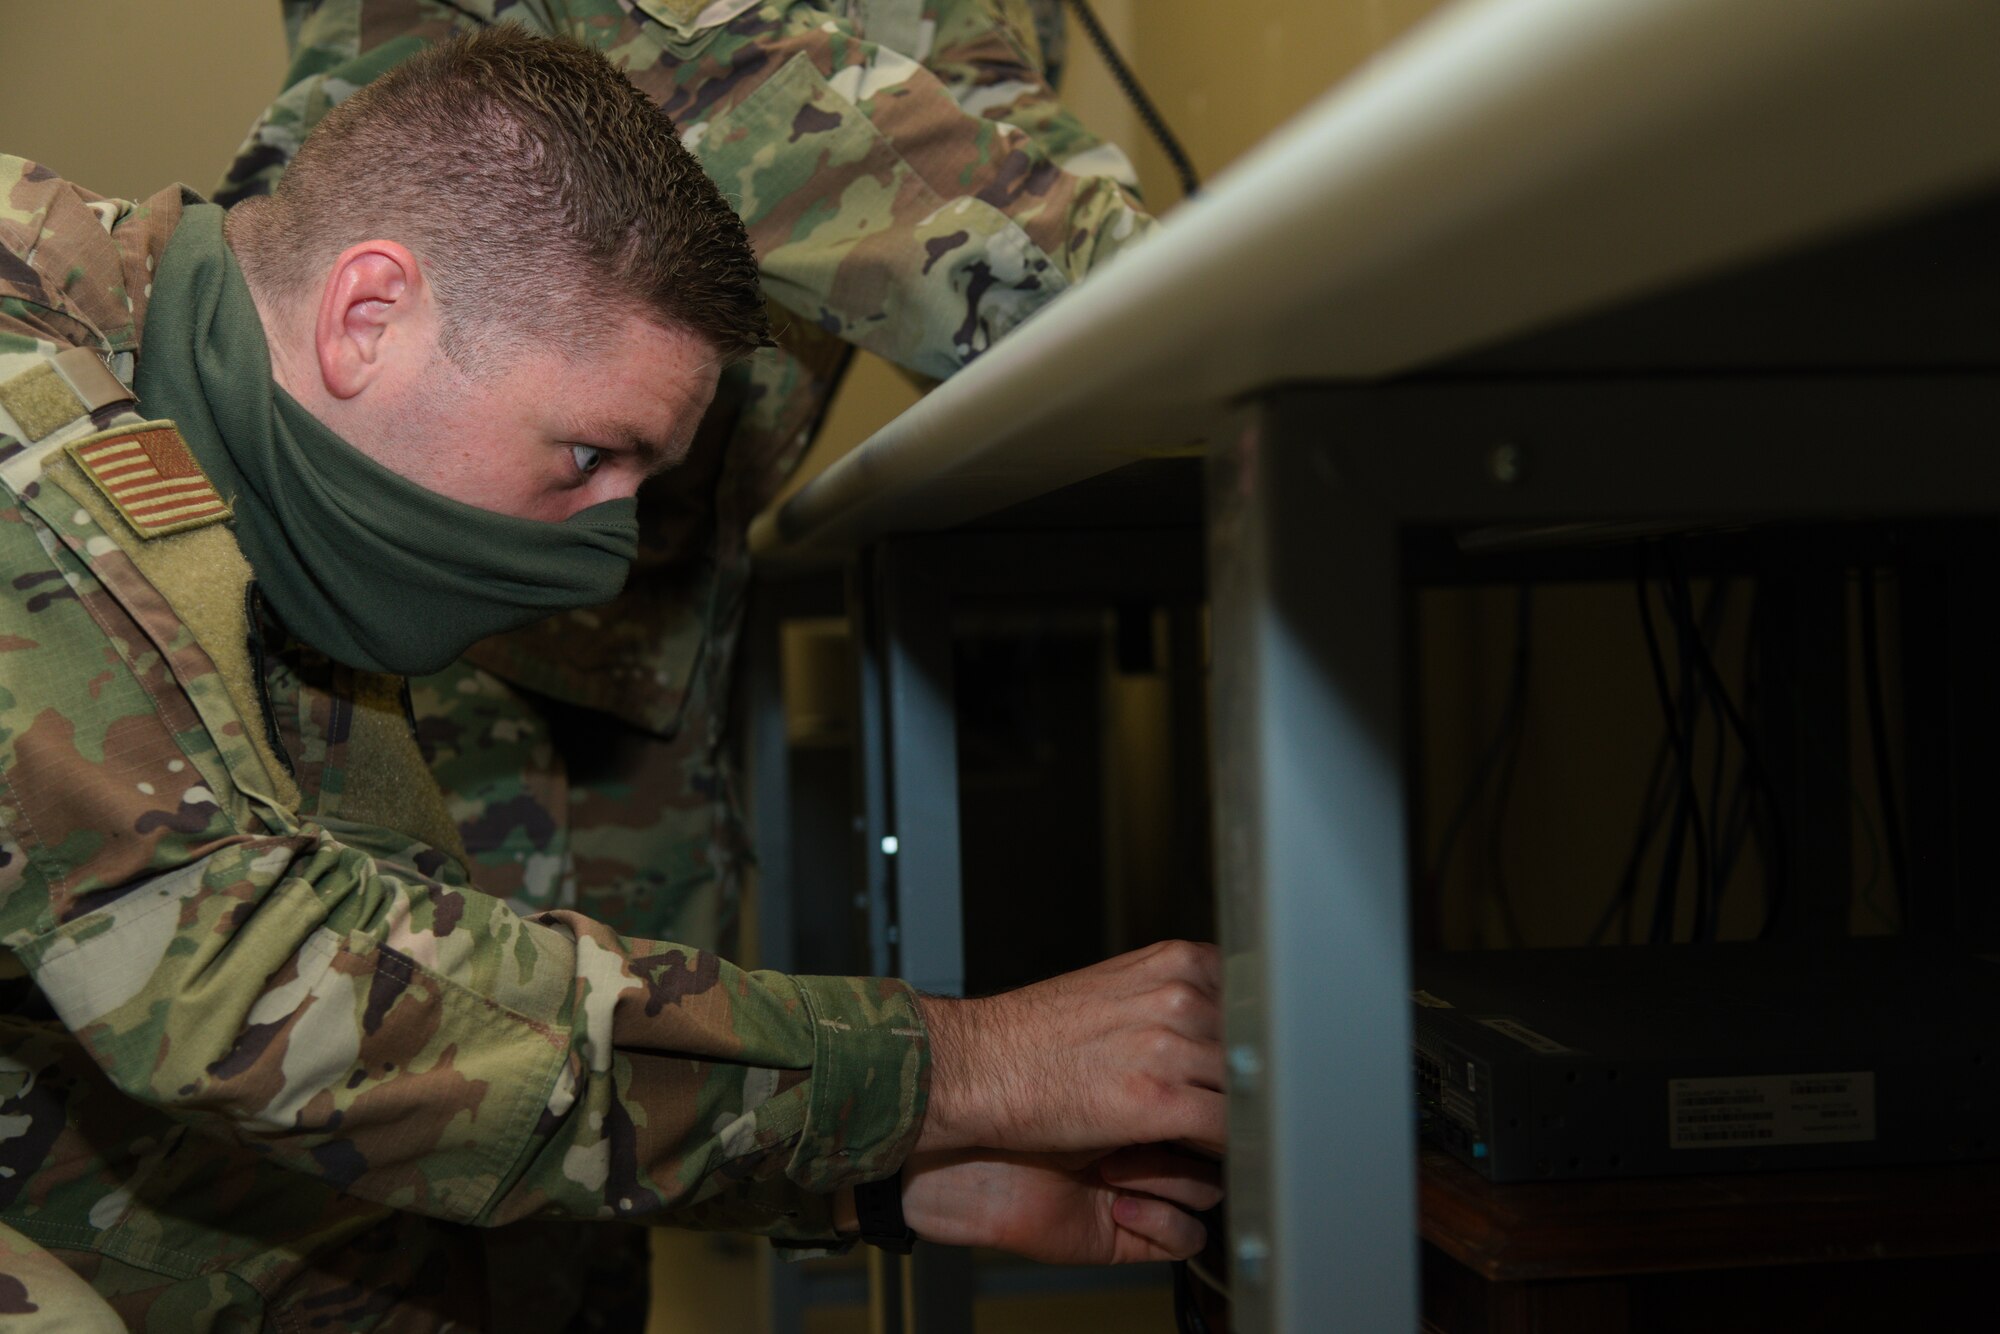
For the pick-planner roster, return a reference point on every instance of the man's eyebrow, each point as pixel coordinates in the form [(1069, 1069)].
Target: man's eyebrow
[(656, 456)]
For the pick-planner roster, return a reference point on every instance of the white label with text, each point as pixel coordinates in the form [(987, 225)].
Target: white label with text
[(1759, 1110)]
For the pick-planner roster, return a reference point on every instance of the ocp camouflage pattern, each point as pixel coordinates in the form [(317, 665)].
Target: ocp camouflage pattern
[(265, 1062), (912, 186), (41, 1295)]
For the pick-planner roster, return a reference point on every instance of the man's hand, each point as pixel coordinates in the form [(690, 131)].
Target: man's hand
[(1128, 1207), (1128, 1051)]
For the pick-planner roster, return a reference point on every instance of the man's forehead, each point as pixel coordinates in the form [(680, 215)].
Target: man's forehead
[(647, 387)]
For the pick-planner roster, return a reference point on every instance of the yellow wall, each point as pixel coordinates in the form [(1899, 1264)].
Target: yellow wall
[(125, 98), (1227, 75)]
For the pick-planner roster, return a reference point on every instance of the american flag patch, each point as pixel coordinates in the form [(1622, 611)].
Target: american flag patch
[(151, 478)]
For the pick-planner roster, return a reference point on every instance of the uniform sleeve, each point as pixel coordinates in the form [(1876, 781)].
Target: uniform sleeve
[(886, 214), (409, 1041), (883, 209), (988, 56)]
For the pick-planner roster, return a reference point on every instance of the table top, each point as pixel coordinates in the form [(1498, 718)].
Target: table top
[(1508, 165), (1585, 1229)]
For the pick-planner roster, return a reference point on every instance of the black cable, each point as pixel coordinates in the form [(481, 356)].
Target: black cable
[(1666, 892), (1498, 750), (1734, 813), (1503, 790), (1688, 640), (1190, 1275), (1128, 83), (1666, 895), (1187, 1316), (1482, 772), (1687, 806), (1690, 799), (1878, 741), (1718, 812), (1651, 807), (1768, 833), (1688, 815), (1734, 824), (1778, 863)]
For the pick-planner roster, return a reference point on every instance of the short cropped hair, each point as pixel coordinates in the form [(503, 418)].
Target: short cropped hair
[(542, 192)]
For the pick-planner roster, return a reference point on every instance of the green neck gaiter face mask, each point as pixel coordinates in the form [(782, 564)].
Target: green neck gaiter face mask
[(359, 562)]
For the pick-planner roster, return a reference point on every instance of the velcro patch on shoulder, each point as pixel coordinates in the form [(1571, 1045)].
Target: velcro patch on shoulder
[(39, 401), (151, 478)]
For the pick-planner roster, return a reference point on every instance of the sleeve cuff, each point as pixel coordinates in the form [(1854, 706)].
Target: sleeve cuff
[(871, 1081)]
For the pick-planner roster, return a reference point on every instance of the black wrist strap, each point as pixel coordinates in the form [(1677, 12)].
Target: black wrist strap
[(878, 1206)]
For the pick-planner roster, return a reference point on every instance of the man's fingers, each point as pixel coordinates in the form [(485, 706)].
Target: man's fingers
[(1182, 1006), (1208, 960), (1201, 1121), (1173, 1060), (1192, 961), (1173, 1096), (1206, 1066), (1166, 1233), (1181, 1178)]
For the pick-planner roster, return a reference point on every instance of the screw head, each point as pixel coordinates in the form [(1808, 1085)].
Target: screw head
[(1246, 1066), (1253, 1256), (1504, 465)]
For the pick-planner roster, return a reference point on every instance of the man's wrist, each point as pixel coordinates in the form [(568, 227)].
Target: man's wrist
[(957, 1114)]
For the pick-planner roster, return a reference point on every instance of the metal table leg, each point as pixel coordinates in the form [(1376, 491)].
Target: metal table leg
[(910, 849), (1312, 864)]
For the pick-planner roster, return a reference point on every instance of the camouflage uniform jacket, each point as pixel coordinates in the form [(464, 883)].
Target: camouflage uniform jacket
[(223, 992), (912, 187)]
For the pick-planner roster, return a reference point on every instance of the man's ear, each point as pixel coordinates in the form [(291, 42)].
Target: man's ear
[(375, 305)]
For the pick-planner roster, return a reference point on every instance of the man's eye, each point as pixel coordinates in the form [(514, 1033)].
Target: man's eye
[(586, 457)]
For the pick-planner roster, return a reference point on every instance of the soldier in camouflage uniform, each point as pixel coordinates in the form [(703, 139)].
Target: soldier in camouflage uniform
[(911, 186), (267, 1054)]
